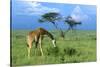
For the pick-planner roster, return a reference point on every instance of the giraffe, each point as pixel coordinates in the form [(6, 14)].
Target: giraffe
[(36, 36)]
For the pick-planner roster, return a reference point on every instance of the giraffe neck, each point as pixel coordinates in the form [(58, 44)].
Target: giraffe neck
[(45, 32), (50, 36)]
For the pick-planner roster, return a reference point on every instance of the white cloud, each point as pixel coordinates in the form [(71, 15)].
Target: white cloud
[(78, 15), (36, 8)]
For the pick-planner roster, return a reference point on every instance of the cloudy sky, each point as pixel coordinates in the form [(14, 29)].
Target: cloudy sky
[(25, 14)]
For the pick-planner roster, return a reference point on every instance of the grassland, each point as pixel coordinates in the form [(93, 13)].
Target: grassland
[(77, 47)]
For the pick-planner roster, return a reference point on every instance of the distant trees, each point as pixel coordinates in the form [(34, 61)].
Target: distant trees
[(52, 17)]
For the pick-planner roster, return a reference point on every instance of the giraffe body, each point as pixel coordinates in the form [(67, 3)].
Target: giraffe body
[(36, 36)]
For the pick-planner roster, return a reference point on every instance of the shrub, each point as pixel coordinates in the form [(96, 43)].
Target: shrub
[(53, 51), (70, 51)]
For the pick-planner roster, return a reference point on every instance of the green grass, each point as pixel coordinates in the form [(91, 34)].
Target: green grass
[(75, 48)]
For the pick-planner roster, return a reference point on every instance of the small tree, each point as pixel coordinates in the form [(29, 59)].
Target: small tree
[(52, 17), (71, 22)]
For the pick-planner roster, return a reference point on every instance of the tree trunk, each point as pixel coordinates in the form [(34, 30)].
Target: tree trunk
[(60, 30)]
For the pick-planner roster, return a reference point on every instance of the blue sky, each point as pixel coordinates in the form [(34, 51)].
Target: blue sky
[(25, 14)]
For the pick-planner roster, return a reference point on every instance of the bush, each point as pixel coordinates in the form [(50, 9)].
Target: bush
[(53, 51), (70, 51)]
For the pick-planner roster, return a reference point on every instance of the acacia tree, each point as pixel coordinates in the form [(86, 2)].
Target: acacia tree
[(72, 23), (52, 17)]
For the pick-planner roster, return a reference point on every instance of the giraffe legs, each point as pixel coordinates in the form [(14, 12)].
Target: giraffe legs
[(40, 43), (29, 49), (37, 41), (41, 50)]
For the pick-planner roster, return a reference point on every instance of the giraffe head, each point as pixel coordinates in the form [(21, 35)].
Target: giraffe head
[(54, 42)]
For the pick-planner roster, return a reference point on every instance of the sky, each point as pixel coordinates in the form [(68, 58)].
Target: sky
[(25, 14)]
